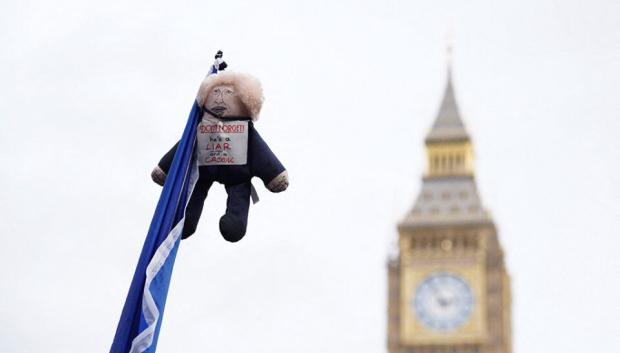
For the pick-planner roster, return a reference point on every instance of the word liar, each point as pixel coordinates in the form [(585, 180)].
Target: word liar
[(218, 146)]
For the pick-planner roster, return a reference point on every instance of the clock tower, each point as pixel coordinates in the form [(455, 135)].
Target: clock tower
[(448, 290)]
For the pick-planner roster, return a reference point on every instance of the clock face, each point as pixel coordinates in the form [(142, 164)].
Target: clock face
[(443, 302)]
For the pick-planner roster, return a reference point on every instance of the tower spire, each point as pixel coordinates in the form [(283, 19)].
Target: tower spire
[(448, 125), (448, 147), (449, 192)]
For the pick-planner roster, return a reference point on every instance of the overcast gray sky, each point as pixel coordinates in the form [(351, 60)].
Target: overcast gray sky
[(93, 93)]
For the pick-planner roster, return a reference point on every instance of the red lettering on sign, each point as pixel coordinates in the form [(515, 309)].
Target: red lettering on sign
[(223, 160), (229, 129)]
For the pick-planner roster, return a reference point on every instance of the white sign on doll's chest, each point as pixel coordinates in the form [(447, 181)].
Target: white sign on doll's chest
[(222, 142)]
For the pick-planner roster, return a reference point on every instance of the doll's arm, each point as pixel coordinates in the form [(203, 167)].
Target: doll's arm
[(266, 165), (161, 170), (279, 183)]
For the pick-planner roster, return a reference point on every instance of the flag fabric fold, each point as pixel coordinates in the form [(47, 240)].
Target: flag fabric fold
[(141, 318)]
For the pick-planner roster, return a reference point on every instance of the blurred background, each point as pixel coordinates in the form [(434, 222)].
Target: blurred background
[(94, 93)]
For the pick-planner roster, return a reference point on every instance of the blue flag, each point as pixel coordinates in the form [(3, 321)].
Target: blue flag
[(141, 318)]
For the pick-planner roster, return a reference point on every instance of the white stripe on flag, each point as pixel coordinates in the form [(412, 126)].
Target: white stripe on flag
[(150, 311)]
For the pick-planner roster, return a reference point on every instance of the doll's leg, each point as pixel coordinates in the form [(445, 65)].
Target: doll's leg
[(235, 221), (194, 207)]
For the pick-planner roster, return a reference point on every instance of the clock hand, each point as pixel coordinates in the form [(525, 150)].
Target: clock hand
[(437, 294), (436, 290)]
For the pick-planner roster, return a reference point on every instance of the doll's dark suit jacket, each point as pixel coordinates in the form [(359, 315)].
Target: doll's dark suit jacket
[(261, 163)]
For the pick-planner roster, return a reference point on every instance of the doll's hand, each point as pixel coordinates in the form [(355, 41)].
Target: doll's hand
[(279, 183), (158, 176)]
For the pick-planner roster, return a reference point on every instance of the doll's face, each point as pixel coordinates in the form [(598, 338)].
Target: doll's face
[(223, 101)]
